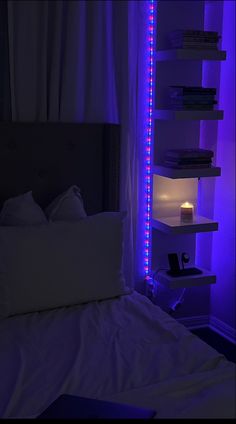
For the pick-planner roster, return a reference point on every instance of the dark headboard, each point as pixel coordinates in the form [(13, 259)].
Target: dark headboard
[(47, 158)]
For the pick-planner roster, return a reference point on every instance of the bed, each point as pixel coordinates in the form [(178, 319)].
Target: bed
[(120, 348)]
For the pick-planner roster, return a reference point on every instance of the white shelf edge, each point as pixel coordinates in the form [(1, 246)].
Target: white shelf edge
[(190, 54), (188, 281), (184, 115), (173, 225), (175, 173)]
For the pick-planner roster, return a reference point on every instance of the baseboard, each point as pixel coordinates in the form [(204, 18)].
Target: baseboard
[(195, 321), (223, 329), (214, 323)]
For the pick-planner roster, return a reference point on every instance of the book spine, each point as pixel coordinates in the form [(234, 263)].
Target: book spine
[(187, 154), (183, 161), (191, 103), (192, 107), (200, 39), (189, 44), (191, 95), (193, 98), (194, 46), (182, 91), (200, 101), (196, 33), (197, 48), (195, 166)]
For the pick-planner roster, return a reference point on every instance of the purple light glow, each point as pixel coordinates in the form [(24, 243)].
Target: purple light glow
[(149, 139), (216, 251)]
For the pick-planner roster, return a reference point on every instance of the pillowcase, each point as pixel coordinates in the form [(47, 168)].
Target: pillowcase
[(67, 207), (61, 264), (22, 210)]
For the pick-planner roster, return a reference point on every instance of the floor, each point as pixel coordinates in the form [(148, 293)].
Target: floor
[(218, 342)]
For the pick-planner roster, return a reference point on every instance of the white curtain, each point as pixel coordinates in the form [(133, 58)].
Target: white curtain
[(83, 61)]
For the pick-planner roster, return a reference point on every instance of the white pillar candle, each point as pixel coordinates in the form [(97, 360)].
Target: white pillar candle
[(186, 212)]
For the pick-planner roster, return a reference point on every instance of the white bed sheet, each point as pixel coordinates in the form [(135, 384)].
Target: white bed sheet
[(126, 350)]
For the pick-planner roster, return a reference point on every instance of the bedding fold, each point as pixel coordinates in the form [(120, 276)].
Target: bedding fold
[(125, 349)]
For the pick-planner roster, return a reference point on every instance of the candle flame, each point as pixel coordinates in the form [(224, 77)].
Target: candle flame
[(187, 205)]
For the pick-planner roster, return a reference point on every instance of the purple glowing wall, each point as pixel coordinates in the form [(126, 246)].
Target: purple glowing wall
[(223, 294)]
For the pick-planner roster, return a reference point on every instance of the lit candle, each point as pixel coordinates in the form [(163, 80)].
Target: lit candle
[(186, 212)]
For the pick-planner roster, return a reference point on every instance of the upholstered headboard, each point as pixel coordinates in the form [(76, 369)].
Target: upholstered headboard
[(49, 157)]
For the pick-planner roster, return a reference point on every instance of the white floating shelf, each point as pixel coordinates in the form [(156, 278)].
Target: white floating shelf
[(188, 281), (173, 225), (190, 54), (174, 173), (185, 115)]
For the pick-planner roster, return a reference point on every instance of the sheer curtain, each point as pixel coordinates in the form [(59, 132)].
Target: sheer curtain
[(84, 61)]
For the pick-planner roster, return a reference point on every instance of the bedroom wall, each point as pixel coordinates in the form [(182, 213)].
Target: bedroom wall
[(223, 295), (217, 250)]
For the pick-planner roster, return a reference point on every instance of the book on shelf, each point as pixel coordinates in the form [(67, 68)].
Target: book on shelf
[(183, 101), (192, 98), (187, 166), (192, 107), (193, 45), (194, 39), (190, 153), (188, 163), (193, 161), (193, 32), (188, 158), (200, 39), (186, 101), (188, 98), (177, 90)]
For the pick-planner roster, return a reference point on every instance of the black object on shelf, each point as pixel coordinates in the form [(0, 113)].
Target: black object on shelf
[(173, 262)]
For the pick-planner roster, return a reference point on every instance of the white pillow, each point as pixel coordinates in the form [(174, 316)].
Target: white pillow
[(68, 206), (61, 263), (22, 210)]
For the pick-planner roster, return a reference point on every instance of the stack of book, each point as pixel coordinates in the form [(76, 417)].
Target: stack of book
[(192, 39), (192, 98), (188, 158)]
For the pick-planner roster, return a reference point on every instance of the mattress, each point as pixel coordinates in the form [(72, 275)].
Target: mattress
[(124, 349)]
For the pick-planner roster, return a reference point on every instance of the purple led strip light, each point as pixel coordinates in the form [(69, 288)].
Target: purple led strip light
[(148, 140)]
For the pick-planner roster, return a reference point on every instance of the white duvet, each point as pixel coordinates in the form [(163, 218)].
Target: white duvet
[(126, 350)]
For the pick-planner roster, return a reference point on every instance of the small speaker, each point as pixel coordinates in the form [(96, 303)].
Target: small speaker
[(173, 262)]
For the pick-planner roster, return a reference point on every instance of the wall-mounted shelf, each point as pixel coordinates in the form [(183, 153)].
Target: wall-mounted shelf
[(190, 54), (188, 281), (173, 225), (175, 173), (188, 115), (173, 186)]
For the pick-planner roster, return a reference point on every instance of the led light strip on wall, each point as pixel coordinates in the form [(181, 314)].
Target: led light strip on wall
[(149, 138)]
